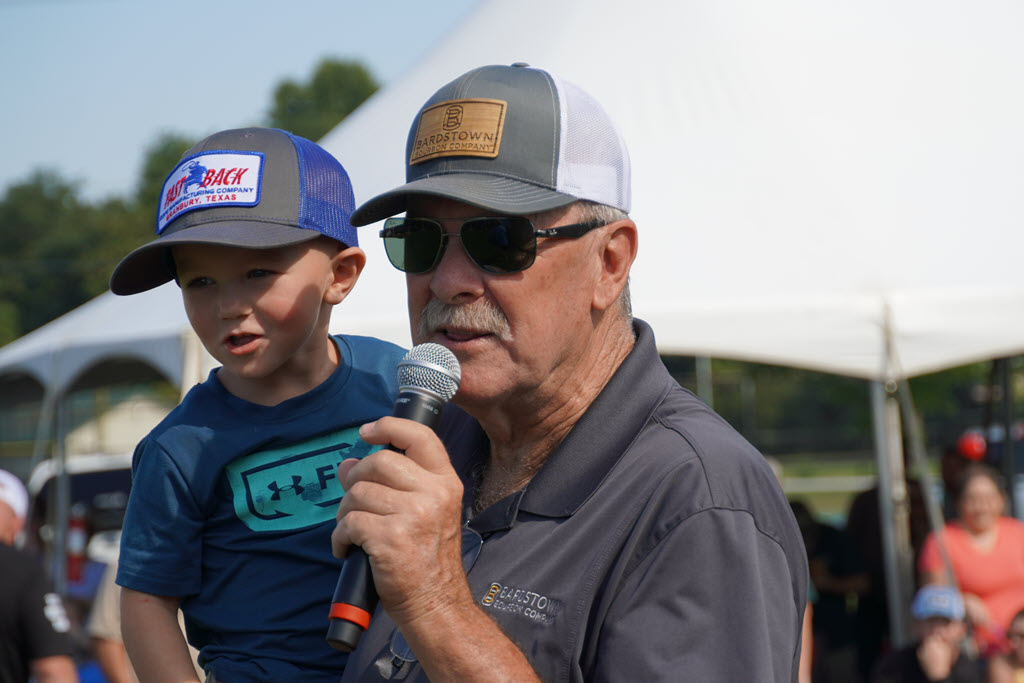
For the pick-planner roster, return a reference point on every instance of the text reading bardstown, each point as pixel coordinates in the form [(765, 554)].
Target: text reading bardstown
[(470, 127)]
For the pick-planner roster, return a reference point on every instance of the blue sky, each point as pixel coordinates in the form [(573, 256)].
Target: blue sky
[(87, 85)]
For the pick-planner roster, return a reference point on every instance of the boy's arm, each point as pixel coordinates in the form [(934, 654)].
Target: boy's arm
[(153, 639)]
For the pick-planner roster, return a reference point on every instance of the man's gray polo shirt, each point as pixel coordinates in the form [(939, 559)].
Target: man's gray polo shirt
[(654, 544)]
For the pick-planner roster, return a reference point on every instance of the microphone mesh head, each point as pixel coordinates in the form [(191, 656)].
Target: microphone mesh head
[(430, 367)]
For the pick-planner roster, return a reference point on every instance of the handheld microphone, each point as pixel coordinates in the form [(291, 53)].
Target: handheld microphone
[(428, 377)]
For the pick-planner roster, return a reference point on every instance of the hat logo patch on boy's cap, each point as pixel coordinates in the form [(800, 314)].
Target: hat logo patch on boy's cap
[(210, 179), (470, 127)]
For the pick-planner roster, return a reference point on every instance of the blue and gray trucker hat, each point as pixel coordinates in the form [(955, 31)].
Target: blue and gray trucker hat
[(256, 188), (510, 139)]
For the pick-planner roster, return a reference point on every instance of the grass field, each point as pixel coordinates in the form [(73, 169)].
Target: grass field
[(827, 482)]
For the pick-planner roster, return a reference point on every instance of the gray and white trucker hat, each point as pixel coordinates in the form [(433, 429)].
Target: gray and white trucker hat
[(510, 139)]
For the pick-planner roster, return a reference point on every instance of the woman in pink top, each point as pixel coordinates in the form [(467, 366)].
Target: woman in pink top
[(986, 551)]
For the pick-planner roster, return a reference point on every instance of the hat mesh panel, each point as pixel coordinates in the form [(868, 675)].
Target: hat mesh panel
[(593, 162)]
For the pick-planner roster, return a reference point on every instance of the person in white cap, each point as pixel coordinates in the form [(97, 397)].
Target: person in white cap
[(585, 518), (34, 627), (13, 507), (936, 654)]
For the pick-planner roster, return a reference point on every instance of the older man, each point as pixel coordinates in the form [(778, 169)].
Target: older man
[(590, 519)]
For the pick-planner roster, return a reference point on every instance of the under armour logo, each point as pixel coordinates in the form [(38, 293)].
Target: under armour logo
[(294, 486)]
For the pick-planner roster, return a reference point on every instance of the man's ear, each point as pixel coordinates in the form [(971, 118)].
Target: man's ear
[(346, 266), (617, 249)]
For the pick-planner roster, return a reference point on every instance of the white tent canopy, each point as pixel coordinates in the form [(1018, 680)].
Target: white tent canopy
[(802, 173), (151, 328), (801, 170)]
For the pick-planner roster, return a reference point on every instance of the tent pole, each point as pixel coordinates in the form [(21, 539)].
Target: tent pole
[(705, 387), (43, 426), (1008, 464), (63, 506), (936, 522), (51, 395), (893, 510)]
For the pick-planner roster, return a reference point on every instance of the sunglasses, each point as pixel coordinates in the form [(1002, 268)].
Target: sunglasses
[(503, 244)]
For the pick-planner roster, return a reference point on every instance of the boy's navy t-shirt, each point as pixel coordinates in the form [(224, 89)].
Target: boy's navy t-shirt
[(232, 508)]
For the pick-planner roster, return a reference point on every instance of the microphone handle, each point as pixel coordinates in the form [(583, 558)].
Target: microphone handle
[(355, 599), (355, 596)]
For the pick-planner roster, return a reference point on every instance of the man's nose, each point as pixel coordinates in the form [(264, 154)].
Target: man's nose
[(456, 277)]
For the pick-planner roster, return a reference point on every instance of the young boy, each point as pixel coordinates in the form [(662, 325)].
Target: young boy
[(235, 493)]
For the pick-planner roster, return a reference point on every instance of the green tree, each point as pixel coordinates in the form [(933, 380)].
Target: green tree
[(789, 409), (44, 229), (117, 226), (120, 225), (57, 251), (312, 109), (160, 157)]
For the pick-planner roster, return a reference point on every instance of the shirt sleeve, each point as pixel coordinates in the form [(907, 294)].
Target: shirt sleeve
[(161, 540), (712, 602), (46, 623)]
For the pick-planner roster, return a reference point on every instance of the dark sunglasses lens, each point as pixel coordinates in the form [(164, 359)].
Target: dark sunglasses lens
[(500, 245), (412, 245)]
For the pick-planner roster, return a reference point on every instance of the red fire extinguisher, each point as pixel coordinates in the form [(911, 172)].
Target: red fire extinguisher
[(78, 538)]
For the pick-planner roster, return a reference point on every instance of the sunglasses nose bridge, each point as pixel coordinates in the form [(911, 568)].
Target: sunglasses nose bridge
[(442, 250)]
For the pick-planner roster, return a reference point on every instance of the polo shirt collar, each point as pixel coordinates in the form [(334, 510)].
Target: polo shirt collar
[(591, 449), (603, 434)]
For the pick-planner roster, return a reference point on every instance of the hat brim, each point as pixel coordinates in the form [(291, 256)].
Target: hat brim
[(493, 193), (148, 266)]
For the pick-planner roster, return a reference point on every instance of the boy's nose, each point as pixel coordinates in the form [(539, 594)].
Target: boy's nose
[(233, 304)]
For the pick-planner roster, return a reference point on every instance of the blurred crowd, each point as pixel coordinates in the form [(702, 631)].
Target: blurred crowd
[(967, 616), (51, 637)]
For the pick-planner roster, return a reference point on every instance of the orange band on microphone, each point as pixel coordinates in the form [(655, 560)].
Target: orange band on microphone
[(359, 617)]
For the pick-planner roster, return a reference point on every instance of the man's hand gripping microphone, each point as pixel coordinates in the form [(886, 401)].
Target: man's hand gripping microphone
[(428, 377)]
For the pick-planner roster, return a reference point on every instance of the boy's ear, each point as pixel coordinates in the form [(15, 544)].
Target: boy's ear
[(346, 266)]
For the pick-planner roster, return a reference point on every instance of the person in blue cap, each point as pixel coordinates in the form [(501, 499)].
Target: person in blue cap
[(936, 654), (233, 494)]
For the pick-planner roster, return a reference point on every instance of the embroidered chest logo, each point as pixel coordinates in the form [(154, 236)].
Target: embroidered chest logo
[(526, 603), (294, 486)]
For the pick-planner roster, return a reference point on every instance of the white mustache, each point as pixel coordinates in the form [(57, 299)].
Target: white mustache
[(480, 316)]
